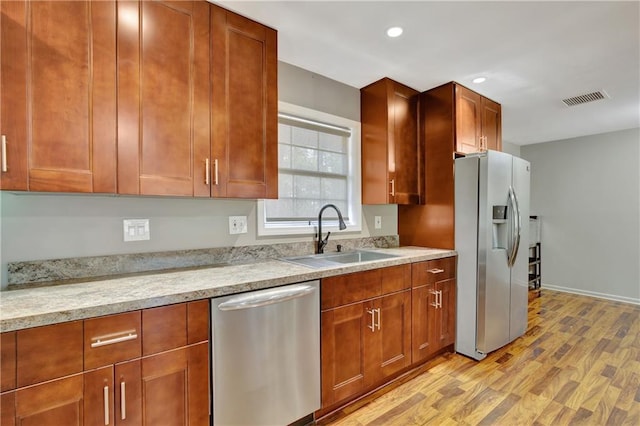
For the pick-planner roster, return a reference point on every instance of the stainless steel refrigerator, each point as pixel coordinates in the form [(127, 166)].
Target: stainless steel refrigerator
[(491, 238)]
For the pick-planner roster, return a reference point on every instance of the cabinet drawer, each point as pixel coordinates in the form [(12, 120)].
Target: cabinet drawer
[(48, 352), (111, 339), (164, 328), (8, 361), (350, 288), (431, 271)]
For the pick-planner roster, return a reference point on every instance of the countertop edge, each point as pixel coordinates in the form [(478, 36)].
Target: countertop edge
[(282, 273)]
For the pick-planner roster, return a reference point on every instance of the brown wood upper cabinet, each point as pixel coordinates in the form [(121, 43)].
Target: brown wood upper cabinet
[(244, 113), (58, 96), (391, 155), (478, 122), (163, 97)]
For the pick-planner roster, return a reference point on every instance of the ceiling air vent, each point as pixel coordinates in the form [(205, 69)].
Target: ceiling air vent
[(588, 97)]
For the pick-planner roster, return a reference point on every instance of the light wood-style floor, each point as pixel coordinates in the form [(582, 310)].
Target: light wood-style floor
[(578, 363)]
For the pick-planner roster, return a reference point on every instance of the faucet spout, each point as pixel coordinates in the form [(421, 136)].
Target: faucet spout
[(323, 242)]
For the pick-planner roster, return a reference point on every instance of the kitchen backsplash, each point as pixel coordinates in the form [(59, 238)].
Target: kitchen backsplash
[(56, 271)]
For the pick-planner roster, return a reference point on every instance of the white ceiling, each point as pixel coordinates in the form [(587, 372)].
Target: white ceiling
[(534, 54)]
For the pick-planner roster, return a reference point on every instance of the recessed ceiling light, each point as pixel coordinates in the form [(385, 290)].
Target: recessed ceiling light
[(479, 79), (394, 31)]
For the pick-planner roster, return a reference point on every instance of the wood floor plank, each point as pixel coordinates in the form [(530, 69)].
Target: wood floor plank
[(577, 363)]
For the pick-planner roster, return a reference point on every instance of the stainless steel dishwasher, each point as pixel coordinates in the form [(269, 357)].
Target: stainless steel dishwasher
[(266, 355)]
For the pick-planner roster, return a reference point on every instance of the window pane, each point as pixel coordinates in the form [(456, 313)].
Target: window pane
[(284, 133), (284, 156), (305, 159), (305, 137), (307, 187), (333, 163), (334, 189), (307, 208), (285, 185), (278, 208)]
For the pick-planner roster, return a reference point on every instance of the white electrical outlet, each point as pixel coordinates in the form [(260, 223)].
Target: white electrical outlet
[(136, 229), (237, 224), (377, 222)]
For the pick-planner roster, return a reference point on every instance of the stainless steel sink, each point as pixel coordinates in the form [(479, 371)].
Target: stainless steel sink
[(335, 259)]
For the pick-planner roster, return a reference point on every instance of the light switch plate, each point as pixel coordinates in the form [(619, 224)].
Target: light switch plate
[(377, 222), (237, 224), (136, 229)]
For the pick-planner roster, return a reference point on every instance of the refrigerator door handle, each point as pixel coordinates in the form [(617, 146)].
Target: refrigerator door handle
[(515, 243)]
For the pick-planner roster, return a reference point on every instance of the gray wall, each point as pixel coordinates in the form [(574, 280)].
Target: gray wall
[(587, 192), (52, 226), (511, 148)]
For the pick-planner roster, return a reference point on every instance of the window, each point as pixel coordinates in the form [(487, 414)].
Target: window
[(318, 164)]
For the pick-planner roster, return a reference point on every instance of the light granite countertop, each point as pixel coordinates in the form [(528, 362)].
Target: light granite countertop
[(31, 307)]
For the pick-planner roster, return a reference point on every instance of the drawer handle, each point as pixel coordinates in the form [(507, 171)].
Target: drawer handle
[(435, 271), (105, 340)]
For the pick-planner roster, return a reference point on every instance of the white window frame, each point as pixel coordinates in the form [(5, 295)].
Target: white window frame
[(354, 223)]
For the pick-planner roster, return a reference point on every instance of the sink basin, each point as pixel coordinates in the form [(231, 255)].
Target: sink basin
[(335, 259)]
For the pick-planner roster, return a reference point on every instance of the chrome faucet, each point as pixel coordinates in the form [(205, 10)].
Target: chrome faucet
[(323, 242)]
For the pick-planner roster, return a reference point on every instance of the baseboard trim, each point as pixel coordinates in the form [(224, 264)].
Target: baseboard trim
[(613, 297)]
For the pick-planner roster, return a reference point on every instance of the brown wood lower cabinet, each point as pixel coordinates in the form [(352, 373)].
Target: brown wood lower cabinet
[(433, 307), (377, 325), (168, 386), (365, 342)]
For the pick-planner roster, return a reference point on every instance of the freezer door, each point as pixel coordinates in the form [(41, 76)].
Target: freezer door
[(494, 292), (520, 270)]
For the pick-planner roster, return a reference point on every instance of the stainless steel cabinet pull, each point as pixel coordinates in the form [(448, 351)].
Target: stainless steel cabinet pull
[(123, 401), (206, 171), (106, 405), (435, 271), (215, 171), (393, 187), (440, 299), (435, 293), (109, 340), (4, 153), (378, 324), (372, 326)]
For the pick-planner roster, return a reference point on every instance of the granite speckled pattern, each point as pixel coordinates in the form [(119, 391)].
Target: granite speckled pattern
[(30, 307), (55, 270)]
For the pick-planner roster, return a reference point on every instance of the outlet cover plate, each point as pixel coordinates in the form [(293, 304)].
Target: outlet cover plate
[(136, 229), (377, 222), (237, 225)]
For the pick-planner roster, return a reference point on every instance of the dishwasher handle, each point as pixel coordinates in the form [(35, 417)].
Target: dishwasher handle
[(266, 297)]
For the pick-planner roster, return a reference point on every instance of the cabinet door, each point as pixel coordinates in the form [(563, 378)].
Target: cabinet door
[(391, 344), (491, 124), (447, 313), (7, 361), (8, 409), (343, 332), (391, 157), (468, 120), (423, 322), (244, 107), (98, 397), (58, 96), (128, 393), (55, 403), (175, 387), (404, 150), (163, 97)]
